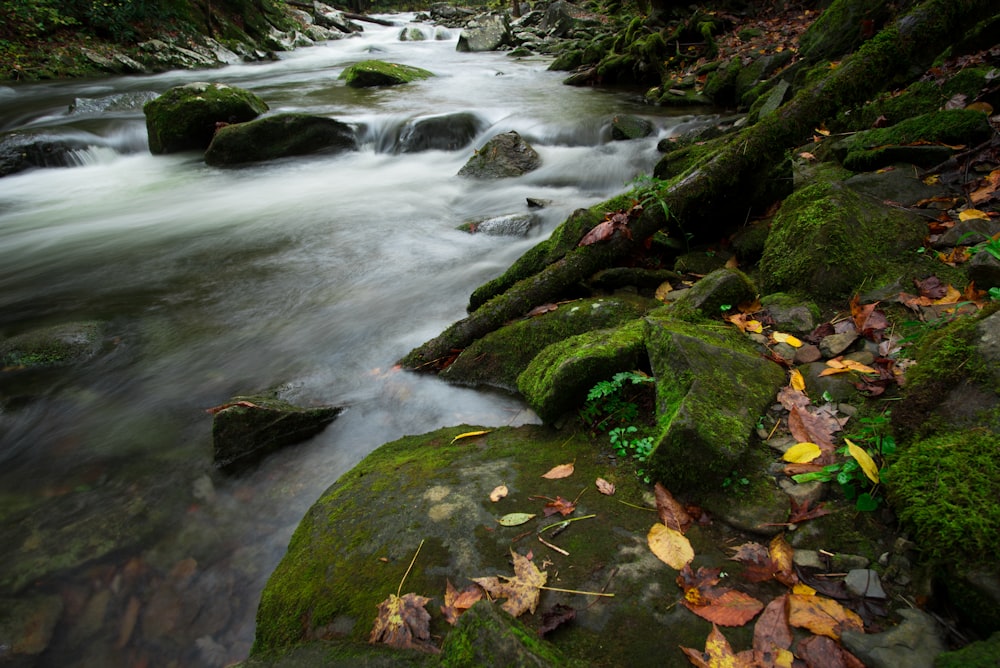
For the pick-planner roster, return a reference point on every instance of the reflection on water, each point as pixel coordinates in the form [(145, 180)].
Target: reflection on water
[(310, 275)]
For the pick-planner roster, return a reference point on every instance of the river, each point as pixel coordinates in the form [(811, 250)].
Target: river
[(312, 275)]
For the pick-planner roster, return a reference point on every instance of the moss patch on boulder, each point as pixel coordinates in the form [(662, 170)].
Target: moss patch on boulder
[(56, 346), (185, 117), (370, 73)]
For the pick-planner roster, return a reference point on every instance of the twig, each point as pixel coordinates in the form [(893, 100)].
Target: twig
[(553, 547), (576, 591), (632, 505), (567, 521), (412, 561)]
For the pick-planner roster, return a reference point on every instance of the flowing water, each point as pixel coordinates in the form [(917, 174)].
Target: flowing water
[(310, 274)]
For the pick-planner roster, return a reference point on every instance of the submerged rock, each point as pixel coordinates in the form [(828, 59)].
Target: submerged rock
[(56, 346), (279, 136), (370, 73), (250, 427), (504, 155), (26, 627), (20, 151), (186, 117)]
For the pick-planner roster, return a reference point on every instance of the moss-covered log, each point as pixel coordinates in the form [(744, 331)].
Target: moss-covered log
[(888, 58)]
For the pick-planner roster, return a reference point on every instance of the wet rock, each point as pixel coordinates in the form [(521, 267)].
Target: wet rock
[(26, 626), (864, 582), (372, 73), (835, 344), (803, 493), (250, 427), (412, 34), (837, 388), (130, 101), (113, 62), (502, 156), (186, 117), (511, 225), (56, 346), (790, 314), (447, 132), (968, 233), (984, 270), (807, 353), (328, 17), (20, 151), (487, 636), (627, 126), (719, 288), (488, 32), (279, 136), (914, 643)]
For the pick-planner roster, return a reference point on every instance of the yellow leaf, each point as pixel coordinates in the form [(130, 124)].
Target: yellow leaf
[(754, 326), (822, 130), (972, 214), (932, 180), (835, 363), (823, 616), (806, 155), (858, 366), (784, 658), (953, 296), (781, 337), (670, 546), (864, 460), (798, 382), (833, 370), (662, 291), (561, 471), (984, 107), (801, 453), (803, 590), (470, 434)]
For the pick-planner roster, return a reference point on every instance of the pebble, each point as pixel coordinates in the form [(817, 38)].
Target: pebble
[(835, 344), (808, 353), (802, 493), (864, 582)]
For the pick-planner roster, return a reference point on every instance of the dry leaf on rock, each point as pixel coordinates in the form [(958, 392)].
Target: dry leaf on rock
[(728, 608), (823, 616), (789, 397), (718, 653), (605, 487), (698, 586), (515, 519), (806, 427), (403, 622), (456, 602), (499, 492), (552, 619), (801, 513), (822, 652), (772, 631), (670, 546), (521, 591), (561, 471), (672, 513), (783, 555), (559, 505)]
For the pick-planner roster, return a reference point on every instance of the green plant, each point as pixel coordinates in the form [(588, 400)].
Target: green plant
[(611, 407), (875, 444), (991, 246), (734, 479), (995, 294)]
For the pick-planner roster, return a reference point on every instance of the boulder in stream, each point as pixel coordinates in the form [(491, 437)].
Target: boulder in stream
[(447, 132), (279, 136), (370, 73), (504, 155), (20, 151), (487, 32), (55, 346), (186, 117)]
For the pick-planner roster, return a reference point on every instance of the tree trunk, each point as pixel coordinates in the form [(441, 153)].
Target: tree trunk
[(757, 149)]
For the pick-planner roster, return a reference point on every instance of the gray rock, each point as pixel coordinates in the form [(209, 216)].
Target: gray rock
[(803, 493), (328, 17), (447, 132), (627, 126), (113, 62), (186, 117), (984, 269), (720, 288), (26, 626), (913, 644), (279, 136), (488, 32), (835, 344), (504, 155), (511, 225), (837, 388), (790, 314), (864, 582), (250, 427), (968, 233), (20, 151)]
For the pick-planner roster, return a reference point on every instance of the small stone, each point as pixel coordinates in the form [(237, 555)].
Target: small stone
[(782, 443), (864, 582), (784, 351), (861, 357), (802, 493), (847, 562), (835, 344), (808, 559), (808, 353)]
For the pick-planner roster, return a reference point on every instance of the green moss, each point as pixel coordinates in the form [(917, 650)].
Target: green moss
[(185, 117), (946, 490), (982, 654), (380, 73)]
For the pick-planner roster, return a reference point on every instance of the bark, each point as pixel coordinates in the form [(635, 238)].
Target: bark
[(881, 61)]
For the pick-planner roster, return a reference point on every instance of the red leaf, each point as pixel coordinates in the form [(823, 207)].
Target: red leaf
[(772, 630), (729, 608), (804, 512)]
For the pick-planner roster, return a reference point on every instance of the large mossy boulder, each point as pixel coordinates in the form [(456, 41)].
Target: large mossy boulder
[(371, 73), (497, 359), (502, 156), (487, 32), (247, 428), (279, 136), (186, 117), (352, 548), (711, 386), (827, 240)]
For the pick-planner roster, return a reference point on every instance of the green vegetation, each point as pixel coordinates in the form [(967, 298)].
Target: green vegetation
[(614, 402)]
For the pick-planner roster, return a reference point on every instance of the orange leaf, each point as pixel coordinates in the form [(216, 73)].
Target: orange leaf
[(456, 602), (718, 653), (521, 591), (781, 554), (823, 616), (561, 471), (605, 487), (729, 608)]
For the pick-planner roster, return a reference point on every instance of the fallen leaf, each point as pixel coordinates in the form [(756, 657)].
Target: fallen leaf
[(718, 653), (699, 586), (781, 337), (806, 155), (803, 590), (672, 513), (559, 505), (218, 409), (931, 287), (730, 608), (772, 631), (869, 322), (403, 622), (521, 591), (470, 434), (757, 563), (864, 460), (499, 492), (801, 513), (663, 290), (988, 190), (822, 652), (789, 397), (801, 453), (972, 214), (456, 602), (605, 487), (552, 619), (797, 381), (515, 519), (806, 427), (782, 555), (561, 471), (823, 616), (670, 546)]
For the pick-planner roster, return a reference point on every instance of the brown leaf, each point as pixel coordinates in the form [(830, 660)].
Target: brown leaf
[(218, 409), (728, 608), (561, 471), (772, 630), (823, 616), (782, 555), (559, 505), (869, 322), (757, 564), (822, 652), (801, 513), (456, 602), (698, 587), (672, 513), (521, 591), (931, 287), (403, 622), (605, 487), (806, 427), (789, 397), (552, 619), (540, 310), (718, 653)]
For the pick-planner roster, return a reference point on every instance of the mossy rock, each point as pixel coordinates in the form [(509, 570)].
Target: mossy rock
[(872, 149), (718, 292), (980, 654), (250, 427), (353, 547), (559, 377), (55, 346), (827, 240), (279, 136), (505, 155), (497, 359), (711, 385), (568, 60), (627, 126), (837, 32), (371, 73), (185, 117)]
